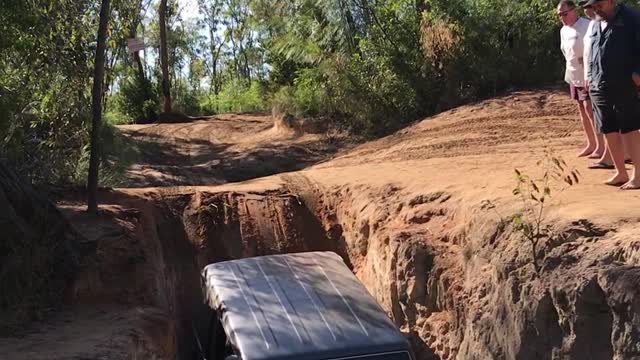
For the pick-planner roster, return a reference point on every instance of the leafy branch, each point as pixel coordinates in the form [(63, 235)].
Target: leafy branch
[(535, 194)]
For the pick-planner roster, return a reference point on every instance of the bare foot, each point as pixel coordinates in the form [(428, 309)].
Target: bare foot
[(631, 185), (587, 151), (618, 180), (596, 155)]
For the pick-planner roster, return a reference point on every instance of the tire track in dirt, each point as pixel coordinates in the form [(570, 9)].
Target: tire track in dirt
[(227, 149)]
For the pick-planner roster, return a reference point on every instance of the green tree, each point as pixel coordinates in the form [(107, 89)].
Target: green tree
[(96, 107), (45, 74), (212, 14)]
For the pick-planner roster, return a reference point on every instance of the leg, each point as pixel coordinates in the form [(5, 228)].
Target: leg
[(631, 142), (606, 157), (587, 125), (616, 148), (606, 122), (601, 146), (627, 110)]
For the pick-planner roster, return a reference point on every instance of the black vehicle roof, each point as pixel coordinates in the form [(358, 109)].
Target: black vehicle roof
[(298, 306)]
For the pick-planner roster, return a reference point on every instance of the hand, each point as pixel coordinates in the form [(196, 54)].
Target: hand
[(587, 84), (636, 79)]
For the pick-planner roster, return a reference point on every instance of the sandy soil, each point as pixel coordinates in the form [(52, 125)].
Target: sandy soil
[(86, 332)]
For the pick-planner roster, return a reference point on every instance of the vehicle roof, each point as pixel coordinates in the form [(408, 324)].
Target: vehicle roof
[(298, 306)]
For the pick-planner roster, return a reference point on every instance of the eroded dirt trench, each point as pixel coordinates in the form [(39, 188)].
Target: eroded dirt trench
[(409, 251), (150, 246), (202, 228), (165, 239), (139, 294)]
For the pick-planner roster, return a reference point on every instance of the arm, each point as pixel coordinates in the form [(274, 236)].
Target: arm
[(562, 44), (587, 70), (587, 55)]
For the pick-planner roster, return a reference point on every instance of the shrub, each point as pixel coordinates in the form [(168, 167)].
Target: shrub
[(236, 96), (535, 195), (132, 103)]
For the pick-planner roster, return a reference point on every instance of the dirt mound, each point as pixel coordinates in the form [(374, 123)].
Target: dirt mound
[(285, 123), (413, 208), (177, 117), (519, 122), (222, 149)]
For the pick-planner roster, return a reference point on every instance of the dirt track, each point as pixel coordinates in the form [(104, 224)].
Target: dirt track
[(407, 212), (225, 148)]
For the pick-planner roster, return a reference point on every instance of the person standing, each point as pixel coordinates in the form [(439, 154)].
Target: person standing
[(572, 45), (605, 162), (614, 73)]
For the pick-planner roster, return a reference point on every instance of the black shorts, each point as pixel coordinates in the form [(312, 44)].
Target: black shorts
[(616, 110), (578, 93)]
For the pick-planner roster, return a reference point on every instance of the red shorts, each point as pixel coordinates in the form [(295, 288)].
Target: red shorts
[(579, 93)]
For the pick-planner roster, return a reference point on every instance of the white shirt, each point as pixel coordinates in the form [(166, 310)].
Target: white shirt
[(572, 46), (587, 49)]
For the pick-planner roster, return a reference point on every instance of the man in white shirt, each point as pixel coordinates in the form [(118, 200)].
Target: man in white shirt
[(572, 45)]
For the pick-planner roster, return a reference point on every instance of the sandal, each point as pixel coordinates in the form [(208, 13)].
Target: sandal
[(601, 166)]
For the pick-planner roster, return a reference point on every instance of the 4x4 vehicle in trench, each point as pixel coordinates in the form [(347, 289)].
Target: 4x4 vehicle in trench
[(306, 306)]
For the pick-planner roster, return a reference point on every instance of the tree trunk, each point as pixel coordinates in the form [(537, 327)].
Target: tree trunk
[(366, 15), (350, 26), (234, 51), (164, 57), (96, 94), (245, 66), (141, 75), (214, 59), (217, 69), (133, 33)]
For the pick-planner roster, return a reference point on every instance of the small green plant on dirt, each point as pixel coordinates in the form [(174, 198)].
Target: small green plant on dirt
[(535, 195)]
